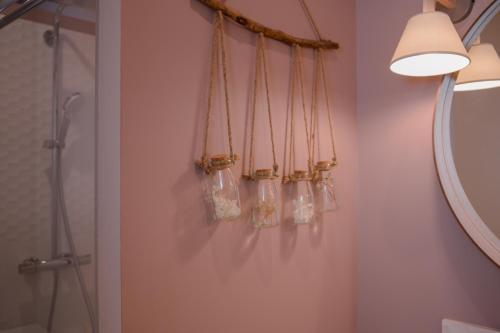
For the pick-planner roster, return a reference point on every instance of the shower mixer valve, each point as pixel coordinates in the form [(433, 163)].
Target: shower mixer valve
[(34, 265)]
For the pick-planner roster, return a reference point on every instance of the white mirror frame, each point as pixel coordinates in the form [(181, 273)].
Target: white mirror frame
[(453, 326), (443, 153)]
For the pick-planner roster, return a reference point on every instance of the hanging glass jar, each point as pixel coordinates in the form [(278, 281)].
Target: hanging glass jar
[(220, 187), (324, 189), (302, 198), (301, 202), (266, 203), (322, 174), (221, 190)]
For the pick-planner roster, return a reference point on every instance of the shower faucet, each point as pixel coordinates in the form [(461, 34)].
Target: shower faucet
[(34, 265)]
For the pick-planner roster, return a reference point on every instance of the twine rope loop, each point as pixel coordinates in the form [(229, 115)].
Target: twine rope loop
[(260, 68), (218, 58), (296, 83)]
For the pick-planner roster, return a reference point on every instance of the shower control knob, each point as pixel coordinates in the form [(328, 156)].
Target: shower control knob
[(30, 265)]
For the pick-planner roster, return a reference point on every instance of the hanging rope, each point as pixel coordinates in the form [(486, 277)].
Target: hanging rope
[(297, 82), (310, 18), (300, 79), (291, 138), (328, 108), (320, 80), (260, 67), (314, 107), (219, 57)]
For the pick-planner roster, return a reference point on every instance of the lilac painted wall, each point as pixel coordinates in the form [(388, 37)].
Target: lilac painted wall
[(180, 274), (415, 264)]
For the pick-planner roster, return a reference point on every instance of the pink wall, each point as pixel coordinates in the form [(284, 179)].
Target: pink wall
[(179, 274), (415, 264)]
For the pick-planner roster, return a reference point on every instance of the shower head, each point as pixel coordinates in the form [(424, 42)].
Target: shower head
[(70, 101), (66, 119)]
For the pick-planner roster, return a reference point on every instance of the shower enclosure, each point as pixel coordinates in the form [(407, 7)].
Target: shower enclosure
[(48, 166)]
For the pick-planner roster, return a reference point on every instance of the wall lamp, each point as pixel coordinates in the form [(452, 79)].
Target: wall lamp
[(484, 70), (430, 44)]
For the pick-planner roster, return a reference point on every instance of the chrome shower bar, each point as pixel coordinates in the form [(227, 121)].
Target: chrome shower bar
[(35, 265), (4, 4), (24, 7)]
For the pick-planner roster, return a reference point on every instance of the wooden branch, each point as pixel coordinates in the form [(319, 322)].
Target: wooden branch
[(450, 4), (268, 32)]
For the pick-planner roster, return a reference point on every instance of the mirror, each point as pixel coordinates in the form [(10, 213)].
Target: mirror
[(475, 138), (467, 146)]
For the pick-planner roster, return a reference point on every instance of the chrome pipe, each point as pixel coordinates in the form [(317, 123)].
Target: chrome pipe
[(35, 265), (4, 4), (56, 82), (55, 163), (17, 13)]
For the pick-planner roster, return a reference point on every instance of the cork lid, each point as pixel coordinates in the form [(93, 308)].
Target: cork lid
[(264, 174), (221, 161), (301, 175), (323, 165)]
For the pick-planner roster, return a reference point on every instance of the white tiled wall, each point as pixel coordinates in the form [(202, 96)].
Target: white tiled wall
[(25, 122)]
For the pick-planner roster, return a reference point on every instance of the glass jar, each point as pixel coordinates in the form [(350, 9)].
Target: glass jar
[(325, 194), (266, 210), (221, 190), (302, 198)]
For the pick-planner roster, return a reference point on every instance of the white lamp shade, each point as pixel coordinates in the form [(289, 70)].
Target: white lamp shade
[(429, 46), (483, 72)]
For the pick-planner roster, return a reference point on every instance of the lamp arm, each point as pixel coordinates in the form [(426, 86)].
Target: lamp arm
[(429, 6), (450, 4)]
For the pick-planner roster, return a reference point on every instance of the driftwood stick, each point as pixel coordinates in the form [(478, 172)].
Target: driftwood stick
[(268, 32)]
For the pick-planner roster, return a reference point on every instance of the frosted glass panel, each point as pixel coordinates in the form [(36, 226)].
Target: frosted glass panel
[(26, 223)]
